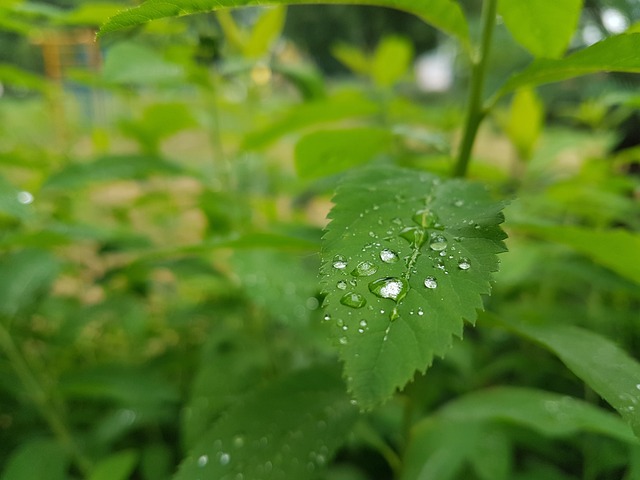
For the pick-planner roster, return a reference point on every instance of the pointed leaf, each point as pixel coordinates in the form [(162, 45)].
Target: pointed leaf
[(266, 31), (597, 361), (391, 60), (526, 119), (544, 27), (614, 54), (443, 14), (287, 430), (405, 259), (37, 459)]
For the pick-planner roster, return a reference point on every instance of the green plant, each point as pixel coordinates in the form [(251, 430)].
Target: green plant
[(196, 294)]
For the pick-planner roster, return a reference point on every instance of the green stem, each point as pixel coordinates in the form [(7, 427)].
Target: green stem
[(42, 401), (475, 111)]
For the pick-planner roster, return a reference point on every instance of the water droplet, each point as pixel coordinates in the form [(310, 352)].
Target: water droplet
[(420, 312), (225, 458), (364, 269), (438, 243), (425, 218), (463, 264), (353, 300), (458, 203), (342, 285), (203, 460), (327, 317), (238, 441), (413, 235), (339, 262), (638, 386), (396, 221), (388, 256), (363, 323), (24, 197), (394, 314), (343, 340), (389, 287), (430, 282)]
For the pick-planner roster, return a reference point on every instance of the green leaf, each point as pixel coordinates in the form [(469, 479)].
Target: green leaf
[(265, 32), (37, 459), (614, 249), (406, 257), (118, 466), (12, 75), (130, 63), (10, 203), (526, 119), (352, 57), (391, 60), (597, 361), (443, 14), (548, 413), (289, 429), (106, 169), (544, 27), (24, 277), (614, 54), (332, 151)]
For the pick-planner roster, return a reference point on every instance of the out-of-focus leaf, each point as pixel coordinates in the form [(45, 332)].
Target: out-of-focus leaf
[(526, 119), (130, 63), (37, 459), (118, 466), (12, 200), (405, 259), (106, 169), (614, 249), (17, 77), (290, 429), (544, 27), (597, 361), (156, 462), (614, 54), (353, 58), (391, 60), (307, 80), (90, 14), (326, 152), (265, 32), (24, 276)]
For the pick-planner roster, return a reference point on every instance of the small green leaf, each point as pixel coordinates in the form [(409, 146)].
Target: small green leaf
[(548, 413), (597, 361), (37, 459), (332, 151), (614, 54), (265, 31), (353, 58), (526, 119), (391, 60), (406, 257), (290, 429), (443, 14), (24, 276), (118, 466), (106, 169), (614, 249), (544, 27)]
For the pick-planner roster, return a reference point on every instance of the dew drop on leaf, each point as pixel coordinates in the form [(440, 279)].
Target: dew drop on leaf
[(342, 285), (389, 287), (225, 458), (353, 300), (438, 243), (364, 269), (430, 282), (343, 340), (388, 256), (203, 460), (425, 218), (363, 323), (463, 264), (339, 262)]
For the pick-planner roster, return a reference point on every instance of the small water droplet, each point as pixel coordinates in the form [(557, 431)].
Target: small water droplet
[(463, 264), (388, 256), (438, 243), (638, 386), (353, 300), (363, 323), (413, 235), (396, 221), (361, 330), (430, 282), (458, 203), (327, 317), (394, 314), (225, 458), (389, 287), (203, 460), (364, 269), (342, 285), (343, 340), (420, 312), (339, 262), (238, 441), (24, 197)]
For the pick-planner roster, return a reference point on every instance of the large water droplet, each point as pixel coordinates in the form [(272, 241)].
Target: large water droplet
[(364, 269), (463, 264), (24, 197), (389, 287), (339, 262), (342, 285), (203, 460), (225, 458), (438, 243), (388, 256), (430, 282), (353, 300)]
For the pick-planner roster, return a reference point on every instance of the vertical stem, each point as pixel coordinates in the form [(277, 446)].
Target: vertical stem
[(42, 401), (475, 110)]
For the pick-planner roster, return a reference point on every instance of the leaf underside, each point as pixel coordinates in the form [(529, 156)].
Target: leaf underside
[(406, 258)]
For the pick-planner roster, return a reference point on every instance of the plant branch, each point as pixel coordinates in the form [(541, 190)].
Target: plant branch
[(475, 111), (42, 401)]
